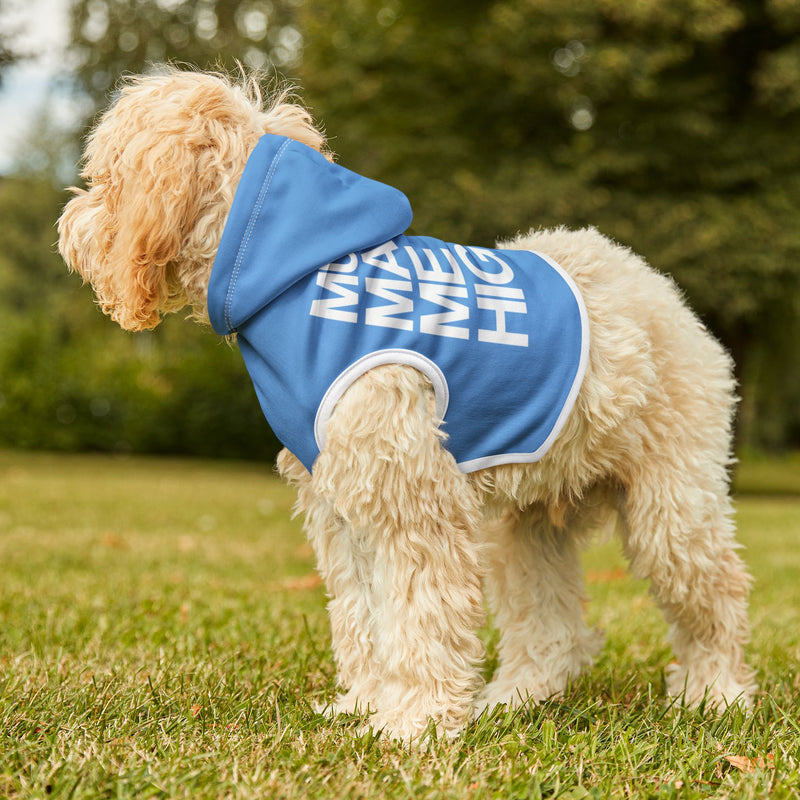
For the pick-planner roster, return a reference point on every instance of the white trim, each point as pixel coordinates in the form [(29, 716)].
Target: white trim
[(569, 403), (506, 458), (379, 358)]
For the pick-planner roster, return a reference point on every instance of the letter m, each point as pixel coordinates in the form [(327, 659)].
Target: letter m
[(385, 316), (441, 324), (334, 307)]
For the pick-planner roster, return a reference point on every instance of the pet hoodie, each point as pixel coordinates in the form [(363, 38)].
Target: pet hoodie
[(317, 278)]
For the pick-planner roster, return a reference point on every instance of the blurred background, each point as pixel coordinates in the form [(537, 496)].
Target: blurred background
[(673, 126)]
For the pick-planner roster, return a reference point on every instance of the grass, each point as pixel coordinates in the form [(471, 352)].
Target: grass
[(162, 635), (768, 475)]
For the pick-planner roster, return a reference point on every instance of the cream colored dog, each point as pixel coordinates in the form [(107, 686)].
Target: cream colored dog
[(404, 539)]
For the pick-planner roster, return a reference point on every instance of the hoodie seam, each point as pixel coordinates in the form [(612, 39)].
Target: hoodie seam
[(254, 214)]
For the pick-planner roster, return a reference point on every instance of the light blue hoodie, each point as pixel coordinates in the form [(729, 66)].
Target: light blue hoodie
[(315, 275)]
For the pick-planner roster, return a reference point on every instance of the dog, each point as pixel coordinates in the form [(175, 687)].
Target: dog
[(201, 194)]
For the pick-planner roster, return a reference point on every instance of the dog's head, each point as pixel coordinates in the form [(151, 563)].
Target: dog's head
[(161, 167)]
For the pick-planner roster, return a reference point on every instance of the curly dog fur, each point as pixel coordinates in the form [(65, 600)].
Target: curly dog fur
[(405, 542)]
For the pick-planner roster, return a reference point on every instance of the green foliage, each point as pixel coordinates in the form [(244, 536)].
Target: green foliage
[(112, 37), (6, 58), (672, 127), (176, 391), (7, 54), (158, 640), (31, 272), (645, 119), (757, 474), (71, 380)]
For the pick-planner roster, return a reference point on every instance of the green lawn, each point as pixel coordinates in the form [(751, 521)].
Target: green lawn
[(162, 635)]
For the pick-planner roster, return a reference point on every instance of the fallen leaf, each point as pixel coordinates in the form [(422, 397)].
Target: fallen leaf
[(310, 581), (305, 551), (114, 541), (607, 576), (745, 764)]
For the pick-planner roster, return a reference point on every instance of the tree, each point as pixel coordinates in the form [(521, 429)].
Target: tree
[(674, 127), (71, 380), (112, 37), (7, 53), (6, 58)]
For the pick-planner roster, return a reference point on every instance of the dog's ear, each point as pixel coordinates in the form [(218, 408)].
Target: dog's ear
[(76, 232), (127, 231), (161, 167), (153, 196)]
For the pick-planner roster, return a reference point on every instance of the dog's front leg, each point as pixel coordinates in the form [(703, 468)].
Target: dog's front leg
[(345, 557), (397, 549)]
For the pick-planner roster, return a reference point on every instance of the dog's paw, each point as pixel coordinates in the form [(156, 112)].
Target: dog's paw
[(348, 703), (710, 687), (528, 676), (409, 730), (502, 693)]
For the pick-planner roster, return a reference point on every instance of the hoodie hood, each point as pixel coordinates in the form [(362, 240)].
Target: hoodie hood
[(294, 212)]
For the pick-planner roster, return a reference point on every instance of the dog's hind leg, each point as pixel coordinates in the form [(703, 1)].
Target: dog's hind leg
[(678, 532), (402, 564), (535, 588)]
